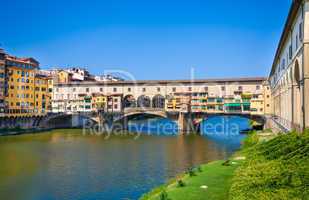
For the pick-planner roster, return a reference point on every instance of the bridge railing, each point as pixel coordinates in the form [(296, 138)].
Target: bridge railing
[(137, 109)]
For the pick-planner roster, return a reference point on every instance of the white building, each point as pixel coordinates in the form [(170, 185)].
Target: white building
[(289, 77)]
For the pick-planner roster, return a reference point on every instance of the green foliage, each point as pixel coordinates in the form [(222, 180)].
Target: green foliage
[(251, 140), (199, 169), (164, 195), (277, 169), (191, 172), (180, 183), (226, 163)]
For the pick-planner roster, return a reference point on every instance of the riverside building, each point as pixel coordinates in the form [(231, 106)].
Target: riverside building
[(25, 92)]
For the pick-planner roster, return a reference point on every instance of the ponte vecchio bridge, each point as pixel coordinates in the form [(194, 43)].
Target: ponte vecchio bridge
[(184, 101)]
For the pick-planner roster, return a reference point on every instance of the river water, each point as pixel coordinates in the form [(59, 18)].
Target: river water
[(68, 164)]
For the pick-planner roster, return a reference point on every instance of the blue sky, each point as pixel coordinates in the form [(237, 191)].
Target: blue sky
[(162, 39)]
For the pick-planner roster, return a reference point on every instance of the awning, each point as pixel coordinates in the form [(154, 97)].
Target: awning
[(233, 104)]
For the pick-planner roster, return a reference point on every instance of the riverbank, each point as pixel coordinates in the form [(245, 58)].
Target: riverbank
[(267, 167), (203, 184)]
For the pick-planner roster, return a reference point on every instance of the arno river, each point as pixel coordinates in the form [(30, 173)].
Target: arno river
[(66, 164)]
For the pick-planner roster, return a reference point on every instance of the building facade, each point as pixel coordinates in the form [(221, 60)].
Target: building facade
[(24, 93), (290, 70), (2, 83), (243, 95)]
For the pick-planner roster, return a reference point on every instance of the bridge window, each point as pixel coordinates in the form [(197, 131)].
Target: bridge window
[(143, 101), (129, 102), (158, 101)]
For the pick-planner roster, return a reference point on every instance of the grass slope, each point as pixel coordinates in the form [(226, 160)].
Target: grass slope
[(277, 169), (213, 175)]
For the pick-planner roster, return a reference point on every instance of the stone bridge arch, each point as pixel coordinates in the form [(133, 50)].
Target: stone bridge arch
[(62, 120), (259, 120)]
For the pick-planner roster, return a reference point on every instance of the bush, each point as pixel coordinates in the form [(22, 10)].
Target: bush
[(191, 172), (180, 183), (251, 140), (164, 196)]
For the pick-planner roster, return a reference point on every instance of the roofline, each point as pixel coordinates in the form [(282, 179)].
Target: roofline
[(249, 79), (288, 24)]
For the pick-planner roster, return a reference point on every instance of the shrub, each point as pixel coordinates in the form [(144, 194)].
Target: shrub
[(191, 172), (226, 163), (164, 195), (181, 183)]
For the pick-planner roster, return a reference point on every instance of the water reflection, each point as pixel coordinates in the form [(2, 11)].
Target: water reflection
[(65, 164), (225, 130)]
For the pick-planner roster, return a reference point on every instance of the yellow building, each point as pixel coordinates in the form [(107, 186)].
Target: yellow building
[(42, 97), (63, 76), (99, 102), (26, 92), (2, 82), (267, 99)]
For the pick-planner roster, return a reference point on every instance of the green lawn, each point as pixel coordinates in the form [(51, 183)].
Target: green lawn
[(214, 175)]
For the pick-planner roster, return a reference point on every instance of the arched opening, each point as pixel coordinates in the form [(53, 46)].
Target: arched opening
[(158, 101), (143, 101), (129, 102), (297, 73), (296, 98)]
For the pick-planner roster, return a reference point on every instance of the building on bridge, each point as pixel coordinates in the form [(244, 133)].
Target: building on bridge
[(289, 77), (241, 95)]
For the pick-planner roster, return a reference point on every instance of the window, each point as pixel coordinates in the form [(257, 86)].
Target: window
[(240, 88), (115, 89), (206, 89), (144, 89), (258, 87), (223, 88), (189, 88), (158, 89), (300, 32), (296, 41), (115, 106), (129, 89), (74, 89), (283, 64), (267, 105), (290, 52), (174, 89), (87, 89), (101, 89)]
